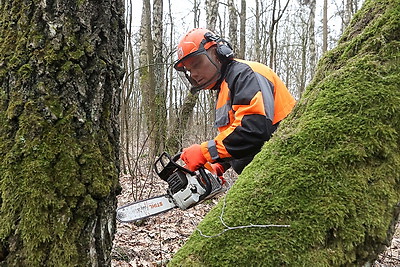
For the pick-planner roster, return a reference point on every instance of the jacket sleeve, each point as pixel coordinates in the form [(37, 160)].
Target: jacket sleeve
[(251, 98)]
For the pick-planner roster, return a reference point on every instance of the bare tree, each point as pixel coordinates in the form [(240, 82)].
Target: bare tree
[(146, 71), (196, 13), (257, 43), (311, 34), (159, 102), (242, 34), (347, 12), (325, 27), (152, 75), (233, 24), (277, 13), (212, 14), (174, 141)]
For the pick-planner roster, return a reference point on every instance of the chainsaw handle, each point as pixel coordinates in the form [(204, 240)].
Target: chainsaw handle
[(203, 174), (207, 183), (176, 158)]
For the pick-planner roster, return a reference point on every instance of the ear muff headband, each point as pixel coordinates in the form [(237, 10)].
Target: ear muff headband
[(224, 49)]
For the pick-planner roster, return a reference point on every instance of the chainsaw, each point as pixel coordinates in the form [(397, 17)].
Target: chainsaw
[(185, 190)]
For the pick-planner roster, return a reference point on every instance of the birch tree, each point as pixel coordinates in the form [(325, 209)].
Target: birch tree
[(277, 13)]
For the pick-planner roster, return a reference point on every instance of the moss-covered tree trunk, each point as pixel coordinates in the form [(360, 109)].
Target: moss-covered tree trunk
[(332, 171), (59, 88)]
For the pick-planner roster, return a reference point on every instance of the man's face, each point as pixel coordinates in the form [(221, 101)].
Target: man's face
[(202, 68)]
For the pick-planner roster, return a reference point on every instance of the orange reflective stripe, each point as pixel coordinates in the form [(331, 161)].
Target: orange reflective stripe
[(223, 95)]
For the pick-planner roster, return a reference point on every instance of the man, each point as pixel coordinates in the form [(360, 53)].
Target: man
[(252, 100)]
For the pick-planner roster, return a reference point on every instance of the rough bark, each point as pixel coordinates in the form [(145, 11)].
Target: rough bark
[(59, 86), (331, 171)]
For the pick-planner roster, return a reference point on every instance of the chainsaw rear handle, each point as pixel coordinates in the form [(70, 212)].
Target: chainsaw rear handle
[(169, 167), (207, 183), (165, 166), (203, 174)]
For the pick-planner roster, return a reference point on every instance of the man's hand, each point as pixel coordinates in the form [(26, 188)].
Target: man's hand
[(193, 157), (218, 169)]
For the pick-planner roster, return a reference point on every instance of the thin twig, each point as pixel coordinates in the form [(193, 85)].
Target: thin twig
[(228, 228)]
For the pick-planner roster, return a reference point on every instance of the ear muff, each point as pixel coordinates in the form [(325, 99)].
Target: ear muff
[(224, 48)]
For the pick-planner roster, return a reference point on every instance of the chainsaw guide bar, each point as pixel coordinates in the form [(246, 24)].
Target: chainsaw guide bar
[(185, 190), (142, 209)]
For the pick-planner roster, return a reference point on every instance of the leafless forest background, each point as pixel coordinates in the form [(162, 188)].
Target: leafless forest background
[(157, 111), (159, 114)]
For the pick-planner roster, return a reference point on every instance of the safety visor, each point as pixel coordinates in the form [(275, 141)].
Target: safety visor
[(199, 55)]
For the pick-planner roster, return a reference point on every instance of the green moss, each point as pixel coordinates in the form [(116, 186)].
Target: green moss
[(45, 197), (331, 170), (77, 54), (16, 106), (67, 69)]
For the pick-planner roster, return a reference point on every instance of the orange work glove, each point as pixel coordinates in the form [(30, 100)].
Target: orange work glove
[(193, 157), (218, 169)]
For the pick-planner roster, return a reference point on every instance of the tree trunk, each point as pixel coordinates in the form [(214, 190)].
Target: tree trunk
[(196, 13), (347, 13), (257, 45), (212, 14), (180, 125), (303, 65), (59, 100), (242, 34), (325, 27), (233, 24), (277, 13), (331, 171), (159, 102), (311, 34)]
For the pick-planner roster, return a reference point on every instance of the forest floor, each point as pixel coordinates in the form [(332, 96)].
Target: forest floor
[(155, 240)]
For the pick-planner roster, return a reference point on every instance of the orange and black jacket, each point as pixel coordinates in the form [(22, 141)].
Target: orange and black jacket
[(252, 99)]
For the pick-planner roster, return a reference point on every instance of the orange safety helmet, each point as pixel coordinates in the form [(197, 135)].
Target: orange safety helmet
[(193, 43), (197, 42)]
